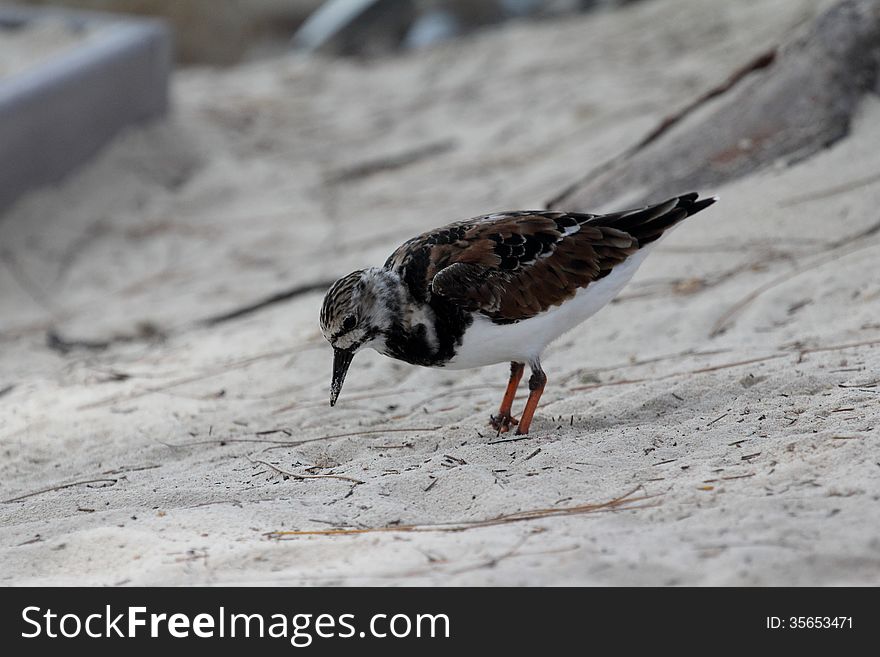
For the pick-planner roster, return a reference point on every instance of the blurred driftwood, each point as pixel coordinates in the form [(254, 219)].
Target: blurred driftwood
[(271, 300), (784, 106)]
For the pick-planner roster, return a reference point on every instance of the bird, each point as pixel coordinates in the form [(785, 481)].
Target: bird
[(492, 289)]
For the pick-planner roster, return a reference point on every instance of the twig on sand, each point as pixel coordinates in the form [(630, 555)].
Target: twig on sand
[(798, 351), (61, 487), (297, 443), (870, 384), (717, 418), (278, 297), (830, 255), (269, 432), (625, 502), (730, 478), (762, 61), (287, 473), (207, 374), (689, 353), (509, 440), (831, 191), (492, 562), (224, 441), (701, 370), (312, 403), (394, 392), (145, 332), (838, 347), (391, 162), (279, 444)]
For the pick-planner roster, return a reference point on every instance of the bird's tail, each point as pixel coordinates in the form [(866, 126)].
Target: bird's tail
[(649, 223)]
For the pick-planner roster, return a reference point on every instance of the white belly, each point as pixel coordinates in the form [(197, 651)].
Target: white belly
[(486, 343)]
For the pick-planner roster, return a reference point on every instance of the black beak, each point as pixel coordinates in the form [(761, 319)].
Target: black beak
[(341, 361)]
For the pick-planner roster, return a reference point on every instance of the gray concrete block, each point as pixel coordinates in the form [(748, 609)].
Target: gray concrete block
[(56, 115)]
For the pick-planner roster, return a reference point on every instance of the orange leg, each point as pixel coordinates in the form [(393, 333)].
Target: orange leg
[(503, 421), (536, 387)]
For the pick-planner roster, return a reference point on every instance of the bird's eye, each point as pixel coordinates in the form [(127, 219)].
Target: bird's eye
[(349, 323)]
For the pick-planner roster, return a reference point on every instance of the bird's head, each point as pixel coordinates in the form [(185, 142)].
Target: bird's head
[(357, 311)]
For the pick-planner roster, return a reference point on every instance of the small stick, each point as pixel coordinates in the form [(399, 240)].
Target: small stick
[(278, 297), (61, 487), (838, 347), (623, 502), (195, 378), (389, 163), (763, 60), (299, 476), (745, 476), (130, 468), (395, 392), (509, 440), (701, 370), (718, 418), (647, 361), (831, 191), (223, 441), (834, 253), (347, 435)]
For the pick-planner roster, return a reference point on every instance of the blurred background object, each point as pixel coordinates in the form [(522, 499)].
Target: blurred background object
[(88, 80), (225, 32), (212, 32), (373, 27), (69, 82), (350, 27)]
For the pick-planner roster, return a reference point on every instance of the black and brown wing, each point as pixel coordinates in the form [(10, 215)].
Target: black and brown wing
[(511, 266)]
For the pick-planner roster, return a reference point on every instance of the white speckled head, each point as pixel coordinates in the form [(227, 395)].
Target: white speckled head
[(357, 310)]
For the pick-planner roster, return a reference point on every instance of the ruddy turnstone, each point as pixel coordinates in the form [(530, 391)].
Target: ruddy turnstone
[(492, 289)]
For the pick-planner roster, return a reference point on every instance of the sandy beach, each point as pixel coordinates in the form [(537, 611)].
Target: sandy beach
[(716, 425)]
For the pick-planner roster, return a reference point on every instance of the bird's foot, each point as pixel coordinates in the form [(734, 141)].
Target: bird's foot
[(503, 422)]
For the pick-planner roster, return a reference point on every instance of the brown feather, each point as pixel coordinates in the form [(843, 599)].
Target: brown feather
[(512, 266)]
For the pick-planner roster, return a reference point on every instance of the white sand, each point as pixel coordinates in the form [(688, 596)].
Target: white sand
[(762, 473)]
